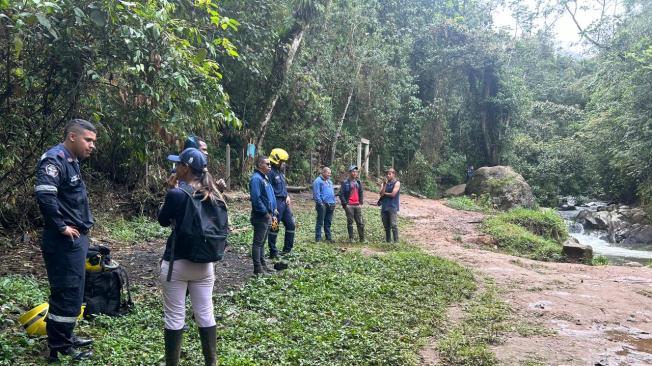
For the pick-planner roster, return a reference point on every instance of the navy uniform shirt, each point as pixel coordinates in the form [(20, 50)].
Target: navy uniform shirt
[(277, 179), (61, 192)]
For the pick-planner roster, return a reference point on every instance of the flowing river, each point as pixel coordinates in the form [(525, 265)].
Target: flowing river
[(617, 253)]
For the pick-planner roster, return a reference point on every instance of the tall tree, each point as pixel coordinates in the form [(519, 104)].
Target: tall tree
[(306, 11)]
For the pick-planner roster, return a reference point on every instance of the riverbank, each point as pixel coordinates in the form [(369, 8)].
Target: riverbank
[(589, 315)]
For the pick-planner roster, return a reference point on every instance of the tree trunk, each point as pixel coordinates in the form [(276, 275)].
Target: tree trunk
[(341, 121), (279, 73)]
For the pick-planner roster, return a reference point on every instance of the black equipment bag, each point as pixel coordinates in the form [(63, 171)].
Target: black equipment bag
[(107, 291), (204, 231)]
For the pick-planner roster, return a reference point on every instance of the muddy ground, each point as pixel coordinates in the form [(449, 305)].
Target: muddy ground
[(595, 315)]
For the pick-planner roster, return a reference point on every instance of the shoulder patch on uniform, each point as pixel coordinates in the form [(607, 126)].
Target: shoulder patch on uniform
[(61, 154), (51, 170)]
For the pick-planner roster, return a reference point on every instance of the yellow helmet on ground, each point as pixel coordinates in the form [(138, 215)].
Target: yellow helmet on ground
[(278, 155), (34, 320), (98, 259)]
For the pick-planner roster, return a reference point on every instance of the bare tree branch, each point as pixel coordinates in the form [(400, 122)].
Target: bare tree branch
[(583, 32)]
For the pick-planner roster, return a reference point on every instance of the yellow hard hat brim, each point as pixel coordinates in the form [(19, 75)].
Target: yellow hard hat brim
[(25, 318)]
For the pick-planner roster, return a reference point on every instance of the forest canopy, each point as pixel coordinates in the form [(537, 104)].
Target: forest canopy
[(434, 85)]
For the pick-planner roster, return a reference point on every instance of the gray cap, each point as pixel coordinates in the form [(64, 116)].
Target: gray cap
[(353, 167)]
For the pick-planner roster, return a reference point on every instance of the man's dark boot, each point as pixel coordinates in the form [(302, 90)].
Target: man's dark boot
[(72, 352), (78, 342), (208, 337), (267, 269), (173, 340)]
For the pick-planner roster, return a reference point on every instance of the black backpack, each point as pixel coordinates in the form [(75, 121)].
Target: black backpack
[(204, 230), (106, 291)]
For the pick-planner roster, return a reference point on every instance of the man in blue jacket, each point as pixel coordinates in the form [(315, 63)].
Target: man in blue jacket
[(263, 207), (324, 196), (351, 196)]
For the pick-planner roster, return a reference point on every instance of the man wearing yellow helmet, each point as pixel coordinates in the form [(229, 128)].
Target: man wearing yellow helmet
[(276, 177)]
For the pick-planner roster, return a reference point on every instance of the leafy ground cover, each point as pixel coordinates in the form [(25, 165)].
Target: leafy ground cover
[(466, 203), (337, 304)]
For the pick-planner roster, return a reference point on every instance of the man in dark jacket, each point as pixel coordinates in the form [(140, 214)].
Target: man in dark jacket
[(263, 207), (61, 195), (351, 196), (276, 177)]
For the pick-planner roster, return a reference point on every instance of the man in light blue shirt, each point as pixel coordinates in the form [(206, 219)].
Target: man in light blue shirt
[(324, 196)]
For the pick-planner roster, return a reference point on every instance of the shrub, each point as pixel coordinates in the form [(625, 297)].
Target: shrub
[(535, 234), (601, 260)]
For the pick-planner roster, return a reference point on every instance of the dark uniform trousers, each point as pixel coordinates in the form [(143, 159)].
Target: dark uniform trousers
[(65, 261), (287, 218)]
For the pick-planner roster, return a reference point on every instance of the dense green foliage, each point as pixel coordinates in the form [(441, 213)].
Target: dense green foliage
[(535, 234), (434, 85)]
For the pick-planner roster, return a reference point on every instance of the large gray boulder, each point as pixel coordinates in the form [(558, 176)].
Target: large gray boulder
[(597, 220), (506, 188), (574, 251)]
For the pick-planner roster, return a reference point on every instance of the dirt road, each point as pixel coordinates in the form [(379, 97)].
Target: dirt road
[(596, 315)]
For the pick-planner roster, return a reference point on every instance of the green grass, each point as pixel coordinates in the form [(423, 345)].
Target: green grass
[(342, 309), (464, 203), (601, 260), (475, 203), (17, 294), (486, 321), (332, 306), (133, 230), (535, 234)]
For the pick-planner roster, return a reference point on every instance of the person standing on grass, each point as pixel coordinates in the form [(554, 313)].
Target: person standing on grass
[(63, 201), (197, 279), (276, 177), (263, 208), (324, 196), (351, 196), (389, 202)]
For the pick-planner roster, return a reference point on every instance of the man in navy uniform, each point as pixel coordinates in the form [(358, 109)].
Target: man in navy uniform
[(61, 195), (276, 177)]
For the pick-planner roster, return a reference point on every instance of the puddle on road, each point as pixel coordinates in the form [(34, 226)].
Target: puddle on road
[(641, 343), (636, 348)]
